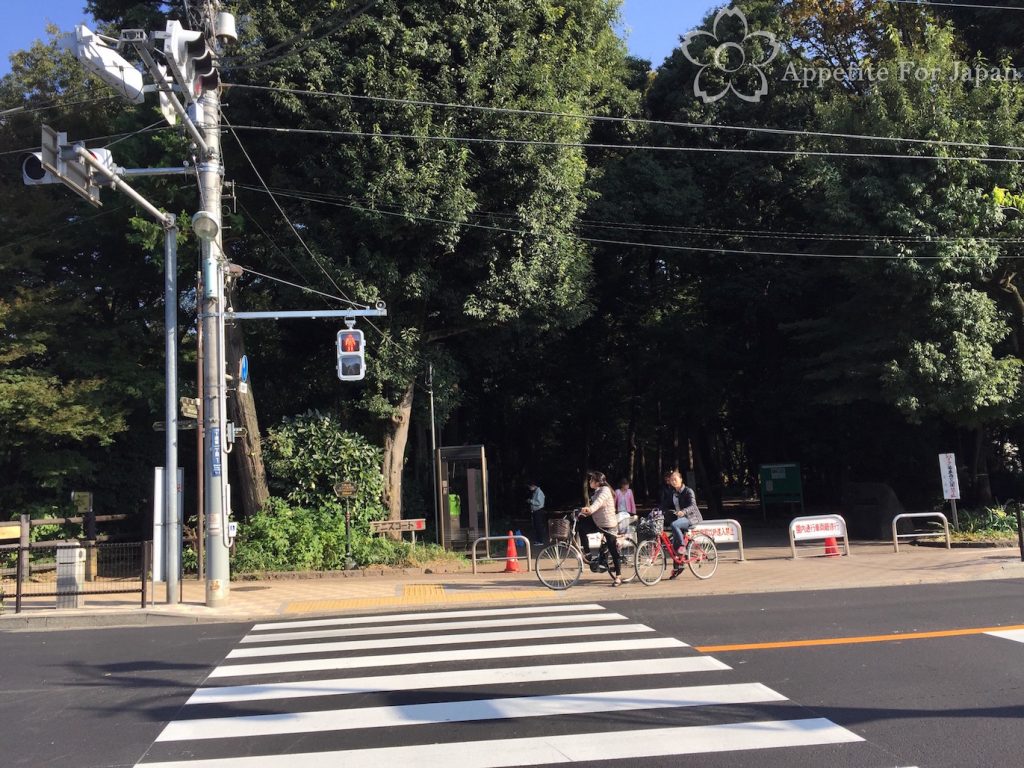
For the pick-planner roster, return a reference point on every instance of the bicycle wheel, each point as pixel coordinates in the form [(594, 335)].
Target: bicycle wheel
[(627, 557), (650, 561), (702, 555), (559, 566)]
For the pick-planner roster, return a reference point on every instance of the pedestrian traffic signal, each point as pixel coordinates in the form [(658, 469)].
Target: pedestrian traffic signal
[(351, 355), (190, 60)]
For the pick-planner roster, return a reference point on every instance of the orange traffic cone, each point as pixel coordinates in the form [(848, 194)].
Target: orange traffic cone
[(512, 563), (831, 547)]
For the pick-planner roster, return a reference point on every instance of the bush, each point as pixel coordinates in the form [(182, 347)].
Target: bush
[(998, 522), (284, 538), (306, 455)]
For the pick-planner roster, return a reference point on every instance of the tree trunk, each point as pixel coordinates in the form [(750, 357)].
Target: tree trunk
[(395, 438), (979, 470), (248, 450)]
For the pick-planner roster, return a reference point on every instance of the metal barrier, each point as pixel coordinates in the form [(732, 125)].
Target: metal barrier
[(920, 534), (526, 541), (815, 528), (61, 570), (723, 532)]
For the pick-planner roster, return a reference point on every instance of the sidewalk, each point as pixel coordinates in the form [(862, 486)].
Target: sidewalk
[(767, 569)]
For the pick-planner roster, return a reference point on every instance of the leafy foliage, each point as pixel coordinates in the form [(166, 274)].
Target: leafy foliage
[(306, 455)]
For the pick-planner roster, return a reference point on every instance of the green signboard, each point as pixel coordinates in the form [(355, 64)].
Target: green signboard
[(780, 484)]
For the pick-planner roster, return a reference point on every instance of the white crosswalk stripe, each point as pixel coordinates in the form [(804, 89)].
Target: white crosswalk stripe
[(1010, 634), (582, 689)]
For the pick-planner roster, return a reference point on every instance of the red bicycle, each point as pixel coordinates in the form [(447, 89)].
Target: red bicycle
[(699, 553)]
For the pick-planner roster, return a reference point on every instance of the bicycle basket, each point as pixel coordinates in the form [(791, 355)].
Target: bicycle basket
[(558, 529), (649, 528)]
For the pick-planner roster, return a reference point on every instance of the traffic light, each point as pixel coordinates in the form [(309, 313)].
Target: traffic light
[(351, 355), (32, 171), (105, 62), (190, 60)]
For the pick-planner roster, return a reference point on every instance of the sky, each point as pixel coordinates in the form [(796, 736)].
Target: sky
[(651, 27)]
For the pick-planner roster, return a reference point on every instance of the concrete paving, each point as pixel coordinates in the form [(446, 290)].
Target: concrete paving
[(766, 569)]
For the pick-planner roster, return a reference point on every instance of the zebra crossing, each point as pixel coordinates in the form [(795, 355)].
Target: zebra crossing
[(480, 688), (1016, 635)]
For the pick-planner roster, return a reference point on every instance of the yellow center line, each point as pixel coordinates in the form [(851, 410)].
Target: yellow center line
[(852, 640)]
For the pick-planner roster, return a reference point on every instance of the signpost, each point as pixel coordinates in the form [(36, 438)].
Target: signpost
[(950, 482), (390, 526), (345, 490), (243, 375)]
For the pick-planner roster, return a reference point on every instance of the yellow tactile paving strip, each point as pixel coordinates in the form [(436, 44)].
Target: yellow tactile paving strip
[(416, 594)]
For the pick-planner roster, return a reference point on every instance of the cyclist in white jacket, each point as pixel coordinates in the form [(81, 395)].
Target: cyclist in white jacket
[(600, 516)]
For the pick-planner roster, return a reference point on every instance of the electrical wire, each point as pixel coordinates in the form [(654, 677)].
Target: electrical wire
[(956, 5), (631, 147), (23, 110), (663, 246), (759, 234), (632, 120), (303, 288), (352, 16), (94, 138), (271, 240), (64, 226), (285, 216)]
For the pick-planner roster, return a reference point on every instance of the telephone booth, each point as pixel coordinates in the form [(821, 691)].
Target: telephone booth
[(462, 495)]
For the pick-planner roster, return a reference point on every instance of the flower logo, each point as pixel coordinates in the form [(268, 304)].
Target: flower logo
[(732, 52)]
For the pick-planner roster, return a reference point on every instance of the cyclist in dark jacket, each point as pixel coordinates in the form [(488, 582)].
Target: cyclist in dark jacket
[(678, 498)]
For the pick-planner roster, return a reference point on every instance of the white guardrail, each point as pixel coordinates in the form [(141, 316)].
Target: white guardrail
[(526, 541), (817, 528), (723, 532), (920, 534)]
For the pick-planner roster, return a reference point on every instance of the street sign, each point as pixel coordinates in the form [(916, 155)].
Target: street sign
[(82, 501), (161, 426), (950, 481), (345, 489), (387, 526), (189, 407), (243, 375)]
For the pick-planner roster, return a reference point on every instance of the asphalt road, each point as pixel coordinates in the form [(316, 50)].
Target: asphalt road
[(91, 698)]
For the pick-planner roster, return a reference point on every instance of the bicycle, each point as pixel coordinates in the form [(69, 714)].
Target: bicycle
[(559, 565), (699, 553)]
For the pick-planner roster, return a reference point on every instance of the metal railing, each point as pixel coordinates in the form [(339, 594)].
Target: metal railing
[(526, 541), (67, 571), (920, 534)]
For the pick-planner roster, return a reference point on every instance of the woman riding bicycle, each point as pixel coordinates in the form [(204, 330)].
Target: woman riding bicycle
[(600, 517)]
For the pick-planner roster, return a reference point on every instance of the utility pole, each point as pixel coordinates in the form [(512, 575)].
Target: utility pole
[(217, 502)]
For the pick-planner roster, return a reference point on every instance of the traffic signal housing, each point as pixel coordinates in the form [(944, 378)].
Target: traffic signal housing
[(351, 355), (190, 60)]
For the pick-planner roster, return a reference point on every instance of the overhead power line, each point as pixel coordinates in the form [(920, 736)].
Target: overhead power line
[(632, 120), (630, 147), (709, 231), (660, 246), (288, 221), (937, 4), (349, 17)]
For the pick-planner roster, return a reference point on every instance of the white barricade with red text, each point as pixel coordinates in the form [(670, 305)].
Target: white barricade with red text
[(723, 532), (818, 528)]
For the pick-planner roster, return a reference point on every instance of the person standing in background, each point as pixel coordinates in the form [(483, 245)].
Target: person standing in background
[(624, 501), (536, 502)]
